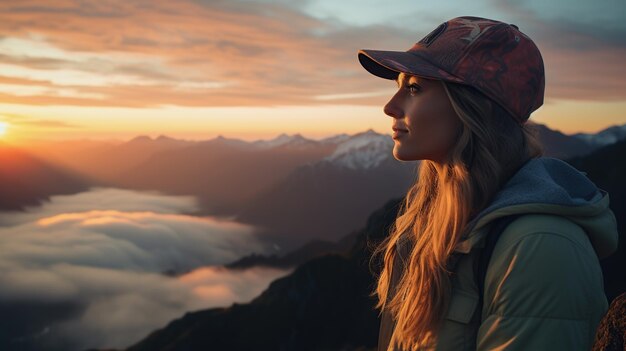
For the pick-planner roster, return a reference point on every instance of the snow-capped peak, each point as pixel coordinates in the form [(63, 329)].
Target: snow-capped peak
[(362, 151)]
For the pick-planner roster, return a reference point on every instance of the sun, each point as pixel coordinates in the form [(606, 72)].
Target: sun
[(3, 128)]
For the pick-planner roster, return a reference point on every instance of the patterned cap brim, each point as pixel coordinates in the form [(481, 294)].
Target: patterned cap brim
[(388, 64)]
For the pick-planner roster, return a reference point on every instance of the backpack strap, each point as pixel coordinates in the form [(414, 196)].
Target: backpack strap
[(484, 256)]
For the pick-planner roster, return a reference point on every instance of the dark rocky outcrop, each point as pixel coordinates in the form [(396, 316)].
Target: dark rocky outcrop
[(611, 332)]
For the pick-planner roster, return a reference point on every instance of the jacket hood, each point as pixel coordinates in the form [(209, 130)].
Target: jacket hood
[(550, 186)]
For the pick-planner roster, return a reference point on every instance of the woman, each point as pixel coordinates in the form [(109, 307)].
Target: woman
[(466, 91)]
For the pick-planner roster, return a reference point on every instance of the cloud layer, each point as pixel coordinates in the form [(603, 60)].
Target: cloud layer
[(99, 273), (150, 53)]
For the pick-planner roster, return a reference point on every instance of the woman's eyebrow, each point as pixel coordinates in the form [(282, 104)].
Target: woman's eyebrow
[(405, 77)]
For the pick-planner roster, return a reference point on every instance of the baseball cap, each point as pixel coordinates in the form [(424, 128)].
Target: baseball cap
[(494, 57)]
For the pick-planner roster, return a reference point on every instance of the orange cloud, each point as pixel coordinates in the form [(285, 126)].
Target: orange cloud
[(255, 55), (218, 285)]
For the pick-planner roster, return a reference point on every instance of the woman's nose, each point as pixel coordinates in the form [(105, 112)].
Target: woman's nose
[(392, 109)]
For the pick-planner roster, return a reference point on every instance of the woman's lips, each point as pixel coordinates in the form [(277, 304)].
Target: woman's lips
[(397, 133)]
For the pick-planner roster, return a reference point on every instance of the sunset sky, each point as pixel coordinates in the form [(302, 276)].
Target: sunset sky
[(252, 69)]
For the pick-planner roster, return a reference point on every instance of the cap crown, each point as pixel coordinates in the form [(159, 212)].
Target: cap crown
[(492, 56)]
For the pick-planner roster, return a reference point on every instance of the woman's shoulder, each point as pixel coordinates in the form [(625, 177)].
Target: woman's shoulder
[(534, 227), (544, 265)]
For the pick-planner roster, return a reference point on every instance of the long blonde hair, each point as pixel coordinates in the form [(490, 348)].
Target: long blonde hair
[(437, 207)]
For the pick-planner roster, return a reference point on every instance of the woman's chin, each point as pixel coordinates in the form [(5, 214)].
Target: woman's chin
[(403, 156), (404, 153)]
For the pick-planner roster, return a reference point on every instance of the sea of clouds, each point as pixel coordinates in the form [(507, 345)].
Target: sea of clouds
[(106, 267)]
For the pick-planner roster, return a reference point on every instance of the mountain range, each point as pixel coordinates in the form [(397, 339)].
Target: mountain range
[(293, 189)]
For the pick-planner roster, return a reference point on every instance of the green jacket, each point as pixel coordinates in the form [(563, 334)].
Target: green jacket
[(543, 286)]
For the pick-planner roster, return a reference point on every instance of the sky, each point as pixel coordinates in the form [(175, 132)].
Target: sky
[(252, 69)]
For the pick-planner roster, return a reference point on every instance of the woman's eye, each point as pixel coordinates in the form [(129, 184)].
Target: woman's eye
[(413, 88)]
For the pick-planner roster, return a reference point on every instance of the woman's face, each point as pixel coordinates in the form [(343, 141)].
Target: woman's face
[(424, 122)]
